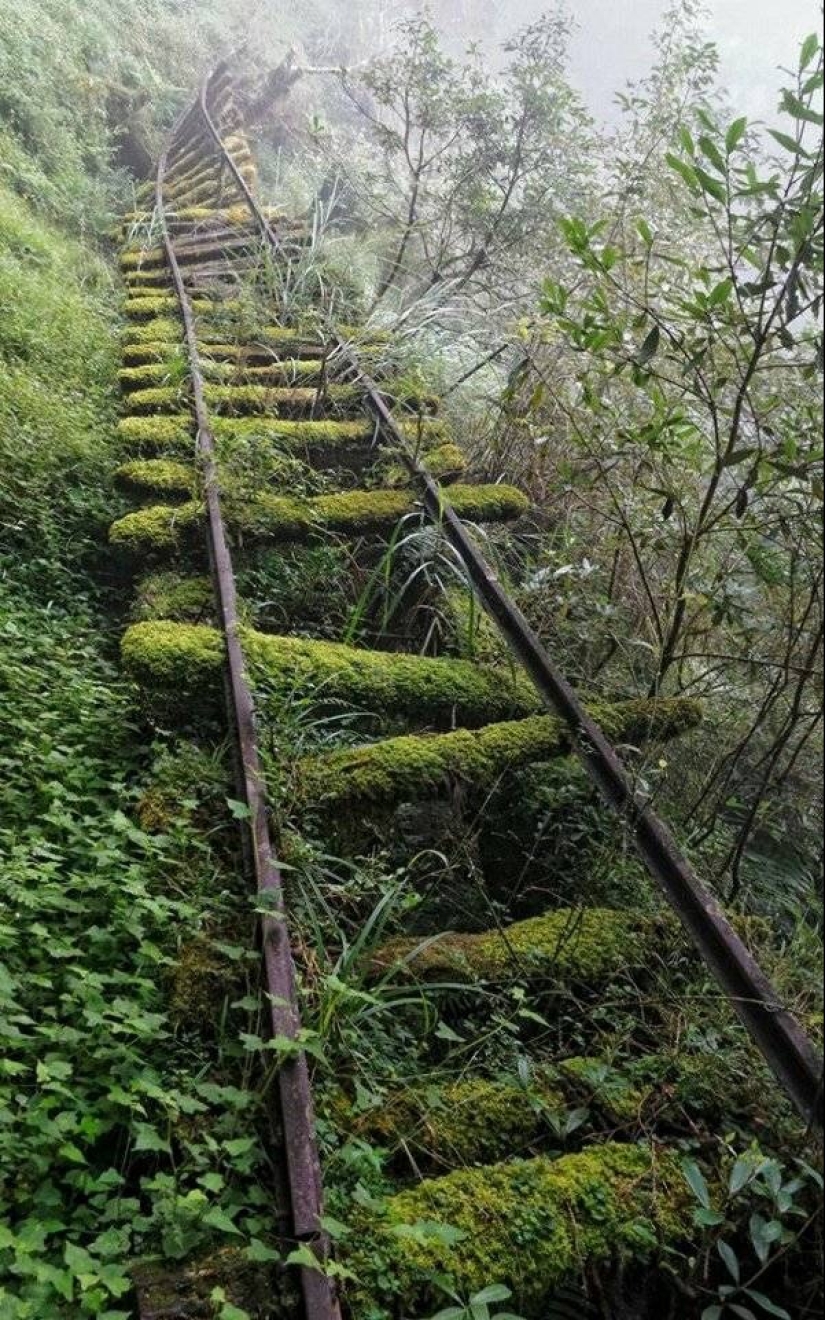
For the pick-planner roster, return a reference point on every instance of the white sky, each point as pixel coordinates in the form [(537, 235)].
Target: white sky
[(755, 37)]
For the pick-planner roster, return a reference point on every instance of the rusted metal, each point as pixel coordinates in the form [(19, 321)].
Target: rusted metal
[(294, 1087), (788, 1051)]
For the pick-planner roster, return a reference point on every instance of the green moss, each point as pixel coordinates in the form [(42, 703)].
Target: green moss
[(469, 629), (446, 463), (149, 374), (149, 307), (169, 596), (163, 398), (234, 399), (530, 1224), (277, 518), (466, 1122), (175, 655), (284, 371), (157, 476), (608, 1088), (294, 434), (136, 355), (157, 433), (160, 530), (562, 948), (160, 330), (436, 691), (419, 766)]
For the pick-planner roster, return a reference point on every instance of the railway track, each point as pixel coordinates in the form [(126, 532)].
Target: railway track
[(196, 380)]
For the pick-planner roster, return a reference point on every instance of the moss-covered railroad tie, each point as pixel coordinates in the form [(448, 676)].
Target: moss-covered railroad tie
[(163, 529), (530, 1224), (174, 657), (565, 947), (418, 766)]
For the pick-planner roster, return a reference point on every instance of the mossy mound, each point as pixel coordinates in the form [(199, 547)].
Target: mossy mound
[(156, 434), (171, 596), (158, 476), (419, 766), (277, 518), (230, 400), (474, 1121), (562, 948), (169, 655), (148, 374), (529, 1224), (159, 330)]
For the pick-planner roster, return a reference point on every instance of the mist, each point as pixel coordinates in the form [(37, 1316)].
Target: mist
[(611, 44)]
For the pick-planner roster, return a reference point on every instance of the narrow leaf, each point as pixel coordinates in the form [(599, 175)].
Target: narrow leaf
[(735, 134), (731, 1260), (495, 1293), (696, 1181), (810, 46), (766, 1304), (687, 172), (650, 347)]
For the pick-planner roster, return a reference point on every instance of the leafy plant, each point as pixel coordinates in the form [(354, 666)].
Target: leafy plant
[(479, 1307)]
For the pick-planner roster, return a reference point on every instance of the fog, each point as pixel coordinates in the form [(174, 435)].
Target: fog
[(611, 44)]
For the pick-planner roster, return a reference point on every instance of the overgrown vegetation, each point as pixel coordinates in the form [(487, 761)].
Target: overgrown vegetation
[(550, 1111)]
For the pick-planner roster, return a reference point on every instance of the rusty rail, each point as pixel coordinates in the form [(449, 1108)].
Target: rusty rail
[(786, 1048), (294, 1086)]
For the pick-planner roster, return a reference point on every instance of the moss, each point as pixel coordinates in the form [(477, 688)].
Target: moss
[(149, 307), (160, 330), (466, 1122), (469, 629), (149, 374), (300, 434), (157, 476), (277, 518), (282, 372), (157, 433), (149, 354), (160, 530), (562, 948), (530, 1224), (608, 1088), (186, 1291), (234, 399), (446, 463), (438, 691), (175, 598), (294, 434), (419, 766), (202, 981), (163, 398), (173, 655)]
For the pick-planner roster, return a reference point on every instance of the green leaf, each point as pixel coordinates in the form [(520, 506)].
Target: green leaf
[(721, 293), (696, 1181), (687, 172), (712, 1313), (219, 1219), (714, 155), (793, 106), (148, 1138), (650, 347), (645, 232), (810, 47), (495, 1293), (735, 134), (789, 143), (710, 185), (304, 1257), (766, 1304), (260, 1253), (743, 1171), (731, 1260), (742, 1311), (239, 810)]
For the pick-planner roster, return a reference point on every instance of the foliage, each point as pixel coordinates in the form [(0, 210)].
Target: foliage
[(673, 383)]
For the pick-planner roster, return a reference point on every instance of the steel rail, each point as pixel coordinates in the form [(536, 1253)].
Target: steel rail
[(294, 1087), (791, 1055)]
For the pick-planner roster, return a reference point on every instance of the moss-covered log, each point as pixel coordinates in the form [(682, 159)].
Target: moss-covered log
[(276, 518), (171, 596), (157, 434), (417, 766), (530, 1224), (565, 947), (173, 657), (158, 476)]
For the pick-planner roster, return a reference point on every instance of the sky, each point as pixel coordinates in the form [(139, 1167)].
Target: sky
[(754, 38)]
